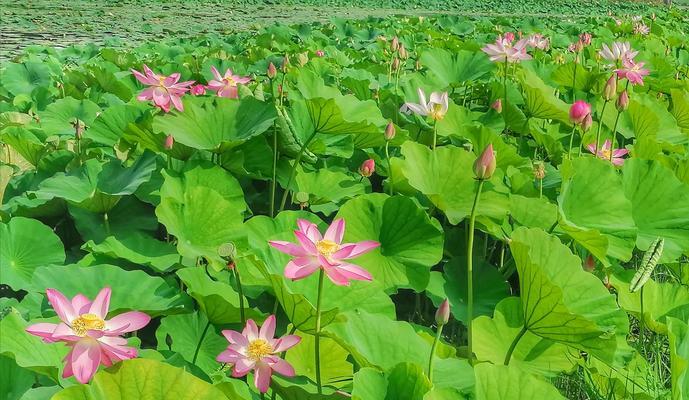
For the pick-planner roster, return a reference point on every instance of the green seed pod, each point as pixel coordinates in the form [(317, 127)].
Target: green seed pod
[(648, 264), (227, 250)]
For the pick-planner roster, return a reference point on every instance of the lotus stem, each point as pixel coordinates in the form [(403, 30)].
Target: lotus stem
[(240, 292), (516, 340), (198, 345), (571, 141), (470, 272), (435, 134), (574, 75), (294, 169), (317, 341), (106, 223), (600, 123), (642, 328), (435, 344), (387, 157)]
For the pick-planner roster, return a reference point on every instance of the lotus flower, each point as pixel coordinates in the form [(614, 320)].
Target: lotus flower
[(579, 111), (504, 50), (327, 252), (257, 350), (320, 53), (435, 108), (198, 90), (497, 105), (641, 29), (604, 152), (367, 168), (226, 85), (632, 71), (163, 90), (617, 52), (93, 339), (585, 38), (538, 41)]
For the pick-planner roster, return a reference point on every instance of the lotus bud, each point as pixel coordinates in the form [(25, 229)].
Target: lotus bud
[(78, 129), (610, 88), (198, 90), (539, 170), (497, 105), (390, 131), (320, 53), (585, 38), (509, 36), (285, 63), (442, 316), (169, 142), (367, 168), (623, 101), (395, 63), (403, 52), (578, 111), (484, 166), (395, 44), (586, 124), (302, 59), (589, 263), (272, 71)]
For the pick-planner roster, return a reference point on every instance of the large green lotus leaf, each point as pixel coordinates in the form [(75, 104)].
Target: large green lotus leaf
[(680, 107), (131, 290), (111, 124), (592, 198), (29, 351), (138, 248), (445, 175), (14, 380), (24, 142), (661, 300), (207, 123), (203, 207), (26, 244), (185, 331), (40, 393), (142, 379), (25, 77), (564, 75), (406, 381), (327, 187), (455, 68), (336, 371), (118, 180), (540, 99), (378, 341), (369, 384), (489, 287), (300, 388), (562, 302), (660, 206), (410, 242), (493, 337), (499, 382), (678, 332), (445, 394), (59, 117), (217, 300), (533, 212), (647, 117), (636, 380), (128, 217)]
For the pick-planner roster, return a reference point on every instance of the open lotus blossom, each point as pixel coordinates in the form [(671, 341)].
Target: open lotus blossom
[(436, 107), (327, 252), (93, 339), (617, 52), (504, 49), (226, 85), (641, 29), (163, 90), (604, 152), (538, 41), (257, 350), (634, 72)]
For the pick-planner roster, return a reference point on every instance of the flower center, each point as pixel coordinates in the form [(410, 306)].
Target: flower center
[(230, 81), (327, 247), (606, 153), (437, 111), (87, 322), (258, 349)]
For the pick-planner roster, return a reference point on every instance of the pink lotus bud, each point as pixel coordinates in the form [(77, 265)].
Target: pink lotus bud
[(610, 89), (497, 105), (285, 63), (586, 124), (403, 52), (442, 316), (509, 36), (395, 44), (367, 168), (272, 71), (320, 53), (390, 131), (198, 90), (395, 63), (484, 166), (589, 263), (578, 111), (169, 142), (585, 38), (623, 101)]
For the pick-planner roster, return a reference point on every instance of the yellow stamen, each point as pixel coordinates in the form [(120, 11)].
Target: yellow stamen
[(606, 153), (258, 349), (327, 247), (87, 322), (230, 81), (437, 112)]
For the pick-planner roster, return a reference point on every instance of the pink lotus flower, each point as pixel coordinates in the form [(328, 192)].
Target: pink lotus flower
[(585, 38), (641, 29), (198, 90), (163, 90), (320, 53), (327, 252), (538, 41), (604, 152), (93, 339), (257, 350), (632, 71), (226, 85), (436, 107), (617, 52), (504, 50), (497, 105), (578, 111)]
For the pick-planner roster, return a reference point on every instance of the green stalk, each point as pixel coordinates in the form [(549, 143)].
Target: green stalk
[(641, 321), (241, 294), (387, 157), (273, 182), (435, 134), (106, 223), (571, 141), (435, 344), (198, 345), (470, 272), (294, 170), (516, 340), (600, 123), (317, 335), (614, 134), (574, 75), (540, 188)]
